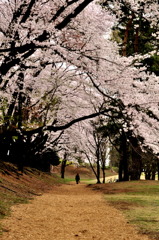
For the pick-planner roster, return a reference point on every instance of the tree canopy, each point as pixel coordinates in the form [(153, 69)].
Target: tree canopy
[(59, 66)]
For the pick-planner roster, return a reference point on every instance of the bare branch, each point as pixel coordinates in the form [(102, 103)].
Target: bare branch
[(72, 15), (63, 127)]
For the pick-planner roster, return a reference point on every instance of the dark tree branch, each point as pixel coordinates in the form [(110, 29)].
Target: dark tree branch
[(27, 49), (67, 125), (28, 11), (22, 48), (74, 14), (63, 127), (18, 13), (62, 9)]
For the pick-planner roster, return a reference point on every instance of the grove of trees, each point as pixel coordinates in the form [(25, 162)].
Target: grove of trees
[(79, 77)]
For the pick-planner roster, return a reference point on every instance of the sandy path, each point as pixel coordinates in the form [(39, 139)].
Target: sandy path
[(69, 212)]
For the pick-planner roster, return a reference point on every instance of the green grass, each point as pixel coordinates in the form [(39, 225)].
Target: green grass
[(16, 188), (67, 180), (6, 201), (140, 203)]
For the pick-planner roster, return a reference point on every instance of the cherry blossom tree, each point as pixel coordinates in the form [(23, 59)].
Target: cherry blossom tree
[(136, 31), (91, 145), (33, 45), (57, 59), (137, 25)]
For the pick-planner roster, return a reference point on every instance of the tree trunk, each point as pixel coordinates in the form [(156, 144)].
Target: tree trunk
[(98, 171), (136, 166), (103, 170), (126, 37), (123, 164), (153, 175), (154, 170), (93, 168), (125, 158), (121, 169), (148, 175), (20, 154), (136, 41), (63, 166)]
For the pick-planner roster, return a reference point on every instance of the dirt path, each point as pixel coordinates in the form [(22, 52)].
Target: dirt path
[(69, 212)]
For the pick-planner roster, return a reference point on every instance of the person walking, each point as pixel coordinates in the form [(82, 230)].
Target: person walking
[(77, 178)]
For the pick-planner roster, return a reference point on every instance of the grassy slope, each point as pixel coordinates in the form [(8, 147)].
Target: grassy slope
[(18, 188), (139, 201), (86, 173)]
